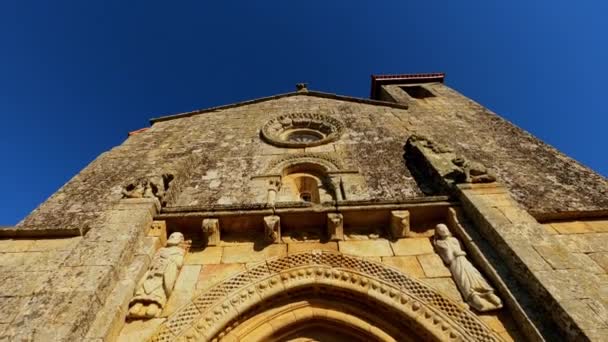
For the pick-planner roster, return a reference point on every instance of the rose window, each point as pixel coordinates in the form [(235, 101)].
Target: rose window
[(302, 130)]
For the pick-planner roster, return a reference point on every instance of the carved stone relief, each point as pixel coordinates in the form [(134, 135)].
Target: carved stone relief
[(274, 185), (157, 284), (472, 285), (448, 164), (149, 187), (211, 231)]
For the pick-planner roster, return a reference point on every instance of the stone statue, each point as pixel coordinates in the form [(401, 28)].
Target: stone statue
[(151, 187), (473, 172), (474, 288), (157, 284)]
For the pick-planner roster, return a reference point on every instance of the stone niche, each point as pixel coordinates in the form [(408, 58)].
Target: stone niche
[(307, 179), (307, 183)]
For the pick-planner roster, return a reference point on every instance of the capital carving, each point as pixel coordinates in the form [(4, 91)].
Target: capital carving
[(335, 226), (274, 185), (211, 231), (154, 289), (272, 229), (400, 224), (474, 288)]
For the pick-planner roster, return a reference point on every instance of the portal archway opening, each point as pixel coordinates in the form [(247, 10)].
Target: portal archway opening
[(323, 312)]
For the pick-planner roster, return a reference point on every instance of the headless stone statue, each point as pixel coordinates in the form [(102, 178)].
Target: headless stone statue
[(473, 287), (150, 187), (157, 284), (473, 172)]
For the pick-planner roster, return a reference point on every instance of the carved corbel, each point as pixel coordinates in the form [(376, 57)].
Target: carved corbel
[(272, 229), (335, 226), (211, 231), (400, 224), (159, 229)]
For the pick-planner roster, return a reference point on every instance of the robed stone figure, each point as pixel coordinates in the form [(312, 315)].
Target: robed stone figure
[(474, 288), (157, 284)]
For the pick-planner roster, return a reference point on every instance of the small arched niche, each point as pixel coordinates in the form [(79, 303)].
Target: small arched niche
[(306, 182)]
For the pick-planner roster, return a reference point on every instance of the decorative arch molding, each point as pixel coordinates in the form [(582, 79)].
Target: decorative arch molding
[(322, 160), (218, 310)]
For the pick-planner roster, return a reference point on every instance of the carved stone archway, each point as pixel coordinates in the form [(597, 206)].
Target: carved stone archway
[(324, 161), (402, 302)]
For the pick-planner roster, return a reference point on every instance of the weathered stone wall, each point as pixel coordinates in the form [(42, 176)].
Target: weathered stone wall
[(545, 181), (219, 151), (563, 271), (53, 289), (213, 156)]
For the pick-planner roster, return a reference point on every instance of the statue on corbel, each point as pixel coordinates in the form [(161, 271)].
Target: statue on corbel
[(448, 164), (154, 289), (474, 288)]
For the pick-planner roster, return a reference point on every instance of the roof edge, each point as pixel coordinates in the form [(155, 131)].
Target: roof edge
[(274, 97), (378, 80)]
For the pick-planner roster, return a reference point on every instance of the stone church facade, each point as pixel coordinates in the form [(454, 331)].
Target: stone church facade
[(414, 215)]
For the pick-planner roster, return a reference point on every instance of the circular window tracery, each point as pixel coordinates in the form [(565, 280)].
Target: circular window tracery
[(302, 130), (303, 136)]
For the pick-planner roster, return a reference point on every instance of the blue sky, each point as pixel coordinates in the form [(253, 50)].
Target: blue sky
[(75, 77)]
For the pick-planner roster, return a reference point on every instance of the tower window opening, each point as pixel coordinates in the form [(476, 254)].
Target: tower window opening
[(417, 92)]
